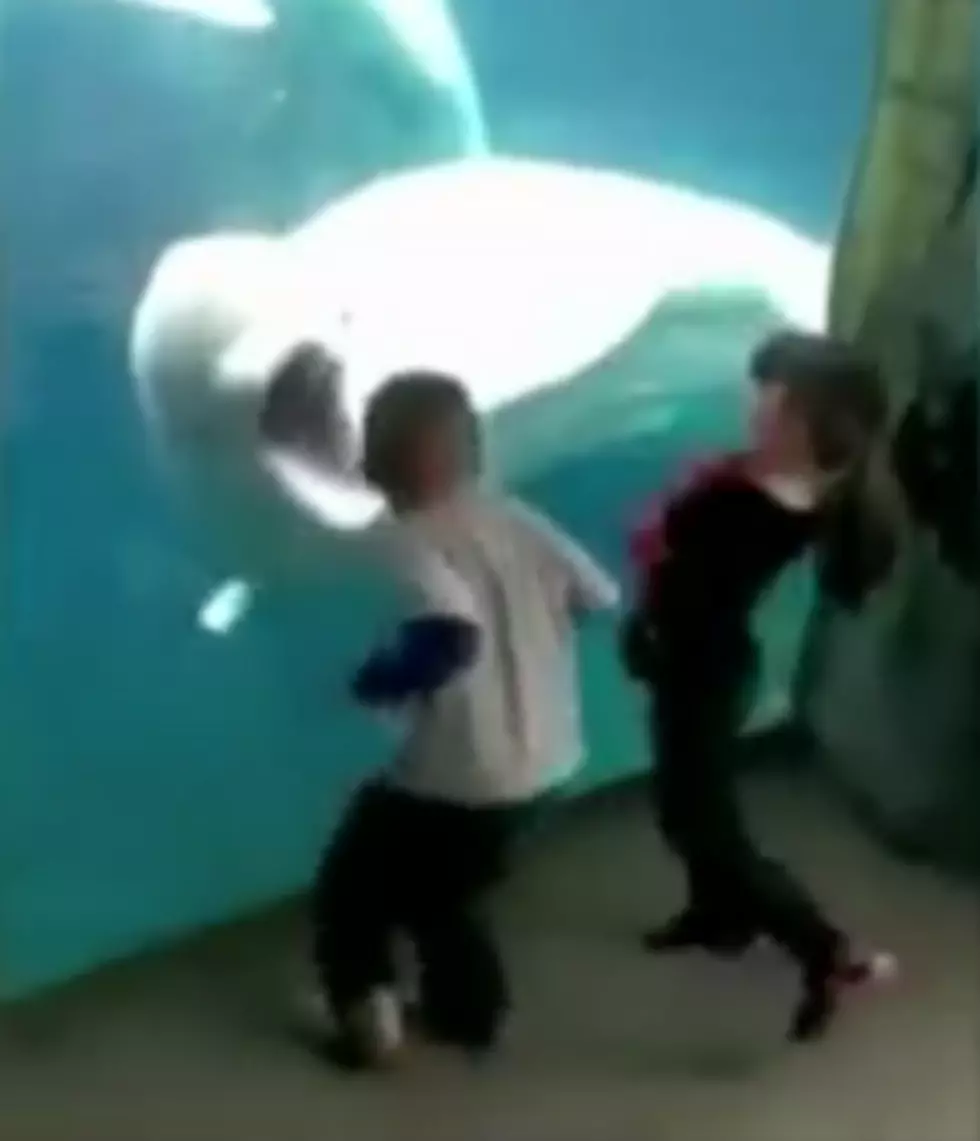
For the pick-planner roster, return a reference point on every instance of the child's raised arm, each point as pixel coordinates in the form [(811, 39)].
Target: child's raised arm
[(586, 585)]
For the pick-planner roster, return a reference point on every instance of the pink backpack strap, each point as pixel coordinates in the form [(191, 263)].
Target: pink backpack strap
[(646, 538), (647, 544), (716, 472)]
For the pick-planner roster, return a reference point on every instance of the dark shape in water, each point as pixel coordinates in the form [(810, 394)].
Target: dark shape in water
[(935, 453)]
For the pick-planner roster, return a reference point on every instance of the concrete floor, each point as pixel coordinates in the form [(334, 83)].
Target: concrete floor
[(196, 1045)]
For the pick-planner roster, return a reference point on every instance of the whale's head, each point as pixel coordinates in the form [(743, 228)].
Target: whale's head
[(243, 395)]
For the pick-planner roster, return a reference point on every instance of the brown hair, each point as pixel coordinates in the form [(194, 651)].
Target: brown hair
[(405, 408), (842, 398), (838, 392)]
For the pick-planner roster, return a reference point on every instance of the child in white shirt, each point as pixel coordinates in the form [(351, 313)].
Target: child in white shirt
[(483, 667)]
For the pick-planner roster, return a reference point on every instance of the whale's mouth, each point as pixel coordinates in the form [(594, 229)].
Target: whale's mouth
[(303, 412), (307, 442), (337, 501)]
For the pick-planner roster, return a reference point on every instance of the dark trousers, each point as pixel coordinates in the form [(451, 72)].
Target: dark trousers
[(733, 889), (401, 864)]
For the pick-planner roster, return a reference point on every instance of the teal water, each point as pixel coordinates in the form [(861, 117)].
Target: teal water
[(153, 780)]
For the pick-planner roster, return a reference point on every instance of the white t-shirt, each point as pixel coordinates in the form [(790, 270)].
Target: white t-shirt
[(508, 727)]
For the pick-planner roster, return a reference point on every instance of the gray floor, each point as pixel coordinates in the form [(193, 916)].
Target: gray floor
[(195, 1046)]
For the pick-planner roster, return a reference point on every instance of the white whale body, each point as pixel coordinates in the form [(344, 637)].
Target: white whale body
[(532, 281)]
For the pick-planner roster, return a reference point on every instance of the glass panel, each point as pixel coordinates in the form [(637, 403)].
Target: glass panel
[(686, 166)]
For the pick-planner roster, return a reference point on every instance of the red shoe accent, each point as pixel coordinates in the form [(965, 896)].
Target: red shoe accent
[(877, 968)]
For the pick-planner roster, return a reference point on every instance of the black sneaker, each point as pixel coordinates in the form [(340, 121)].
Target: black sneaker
[(691, 931), (370, 1036), (822, 992), (478, 1044), (815, 1010)]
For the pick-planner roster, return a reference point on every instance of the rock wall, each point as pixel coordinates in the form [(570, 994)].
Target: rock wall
[(893, 690)]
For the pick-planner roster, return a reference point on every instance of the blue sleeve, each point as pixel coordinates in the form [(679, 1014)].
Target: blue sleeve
[(429, 652)]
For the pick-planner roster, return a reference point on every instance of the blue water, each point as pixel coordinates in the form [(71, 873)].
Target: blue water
[(153, 780)]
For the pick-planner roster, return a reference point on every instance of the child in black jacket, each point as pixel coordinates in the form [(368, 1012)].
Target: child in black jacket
[(705, 561)]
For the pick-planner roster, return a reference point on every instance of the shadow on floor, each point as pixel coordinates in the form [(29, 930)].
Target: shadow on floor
[(196, 1045)]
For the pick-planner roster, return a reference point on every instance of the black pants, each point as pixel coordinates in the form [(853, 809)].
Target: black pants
[(402, 864), (735, 890)]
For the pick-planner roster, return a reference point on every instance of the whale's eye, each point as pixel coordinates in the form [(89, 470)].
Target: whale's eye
[(303, 411)]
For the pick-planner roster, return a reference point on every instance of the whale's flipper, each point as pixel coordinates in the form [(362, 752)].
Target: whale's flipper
[(225, 607)]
